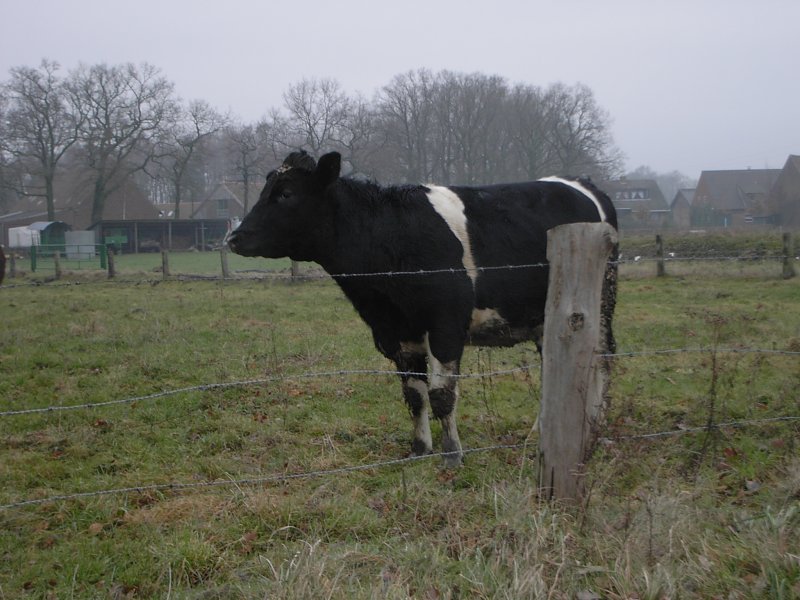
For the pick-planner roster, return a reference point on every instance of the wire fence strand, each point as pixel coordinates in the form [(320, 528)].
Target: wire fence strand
[(205, 387), (320, 275), (286, 477), (252, 481)]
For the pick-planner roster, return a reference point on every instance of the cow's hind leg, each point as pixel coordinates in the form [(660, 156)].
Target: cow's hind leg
[(443, 393), (413, 367)]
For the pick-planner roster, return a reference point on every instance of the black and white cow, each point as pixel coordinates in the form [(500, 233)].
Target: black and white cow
[(455, 235)]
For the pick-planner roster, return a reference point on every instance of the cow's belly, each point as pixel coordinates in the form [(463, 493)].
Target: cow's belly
[(489, 328)]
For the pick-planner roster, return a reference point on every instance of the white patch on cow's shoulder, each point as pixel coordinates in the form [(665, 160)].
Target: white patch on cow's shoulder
[(450, 207), (576, 185)]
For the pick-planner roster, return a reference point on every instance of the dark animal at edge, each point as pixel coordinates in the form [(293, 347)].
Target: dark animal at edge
[(307, 212)]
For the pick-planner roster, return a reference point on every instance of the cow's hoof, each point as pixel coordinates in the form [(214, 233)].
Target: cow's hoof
[(453, 460), (420, 448)]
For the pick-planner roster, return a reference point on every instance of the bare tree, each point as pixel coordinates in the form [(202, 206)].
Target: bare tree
[(251, 151), (470, 128), (40, 126), (578, 131), (6, 177), (194, 123), (406, 110), (123, 112), (317, 109), (526, 123), (476, 102), (356, 137)]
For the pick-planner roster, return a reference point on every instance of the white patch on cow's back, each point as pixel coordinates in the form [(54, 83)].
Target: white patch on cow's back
[(450, 207), (576, 185)]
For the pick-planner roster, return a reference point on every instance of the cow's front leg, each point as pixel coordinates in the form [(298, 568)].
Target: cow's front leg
[(443, 395), (413, 367)]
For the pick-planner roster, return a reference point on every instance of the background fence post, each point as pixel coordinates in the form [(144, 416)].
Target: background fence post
[(223, 257), (110, 259), (295, 269), (660, 272), (164, 264), (788, 259), (57, 264), (574, 372)]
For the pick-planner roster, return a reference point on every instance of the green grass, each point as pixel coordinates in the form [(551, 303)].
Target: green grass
[(682, 516)]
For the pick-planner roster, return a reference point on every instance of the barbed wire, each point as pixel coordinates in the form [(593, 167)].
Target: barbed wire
[(243, 383), (319, 275), (178, 486), (700, 350), (712, 427), (285, 477), (204, 387)]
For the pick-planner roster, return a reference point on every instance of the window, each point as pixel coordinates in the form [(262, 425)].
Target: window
[(633, 194), (222, 208)]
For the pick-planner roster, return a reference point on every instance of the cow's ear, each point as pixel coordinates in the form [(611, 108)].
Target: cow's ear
[(328, 168)]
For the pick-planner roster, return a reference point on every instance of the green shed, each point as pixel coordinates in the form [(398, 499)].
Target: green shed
[(51, 233)]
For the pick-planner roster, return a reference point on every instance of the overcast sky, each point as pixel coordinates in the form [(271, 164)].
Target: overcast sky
[(689, 84)]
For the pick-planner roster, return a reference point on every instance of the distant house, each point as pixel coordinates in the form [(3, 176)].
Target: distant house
[(227, 201), (734, 198), (639, 202), (681, 208), (784, 197)]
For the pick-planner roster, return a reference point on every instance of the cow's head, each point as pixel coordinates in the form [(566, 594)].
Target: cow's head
[(290, 213)]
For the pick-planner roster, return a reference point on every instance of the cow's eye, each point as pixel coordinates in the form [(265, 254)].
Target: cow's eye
[(280, 196)]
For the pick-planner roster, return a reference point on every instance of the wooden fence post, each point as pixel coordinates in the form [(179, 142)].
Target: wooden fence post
[(659, 256), (788, 259), (164, 264), (57, 264), (110, 261), (295, 270), (574, 372), (223, 257)]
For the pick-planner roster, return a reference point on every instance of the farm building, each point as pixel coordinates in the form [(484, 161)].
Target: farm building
[(735, 199), (640, 203), (153, 235), (39, 233), (681, 208), (784, 197), (228, 200)]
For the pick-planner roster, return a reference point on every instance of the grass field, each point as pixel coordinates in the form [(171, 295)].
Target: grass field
[(692, 515)]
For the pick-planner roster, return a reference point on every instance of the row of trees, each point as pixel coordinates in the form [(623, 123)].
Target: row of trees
[(114, 123)]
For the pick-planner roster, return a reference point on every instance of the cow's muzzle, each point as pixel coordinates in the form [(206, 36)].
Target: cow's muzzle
[(234, 241), (243, 243)]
